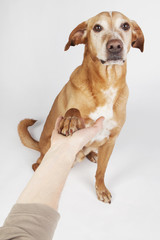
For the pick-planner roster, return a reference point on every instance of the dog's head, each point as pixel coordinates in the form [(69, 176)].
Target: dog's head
[(108, 37)]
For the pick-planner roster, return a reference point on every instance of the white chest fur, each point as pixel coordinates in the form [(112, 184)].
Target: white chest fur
[(107, 112)]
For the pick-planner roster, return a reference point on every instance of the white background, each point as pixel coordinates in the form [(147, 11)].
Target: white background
[(33, 69)]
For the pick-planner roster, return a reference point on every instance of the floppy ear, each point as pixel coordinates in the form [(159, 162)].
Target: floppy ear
[(77, 36), (137, 36)]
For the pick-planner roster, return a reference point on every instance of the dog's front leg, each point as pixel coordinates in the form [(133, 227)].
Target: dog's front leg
[(72, 122), (104, 153)]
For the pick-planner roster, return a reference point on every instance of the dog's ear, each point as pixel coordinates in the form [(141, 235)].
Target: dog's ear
[(77, 36), (137, 36)]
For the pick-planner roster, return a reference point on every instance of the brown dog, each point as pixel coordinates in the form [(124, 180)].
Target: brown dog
[(96, 88)]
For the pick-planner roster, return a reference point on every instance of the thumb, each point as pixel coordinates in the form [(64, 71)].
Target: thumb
[(85, 135), (98, 125), (95, 129)]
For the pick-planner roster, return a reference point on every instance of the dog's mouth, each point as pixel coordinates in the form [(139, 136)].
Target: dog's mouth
[(113, 60)]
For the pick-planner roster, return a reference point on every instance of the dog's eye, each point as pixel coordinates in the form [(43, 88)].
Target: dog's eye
[(125, 26), (97, 28)]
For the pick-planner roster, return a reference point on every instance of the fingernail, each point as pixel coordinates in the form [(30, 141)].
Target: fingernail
[(71, 131)]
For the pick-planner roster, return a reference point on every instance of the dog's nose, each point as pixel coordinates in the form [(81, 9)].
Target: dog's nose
[(114, 46)]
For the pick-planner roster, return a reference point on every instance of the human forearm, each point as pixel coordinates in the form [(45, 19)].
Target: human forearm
[(47, 182)]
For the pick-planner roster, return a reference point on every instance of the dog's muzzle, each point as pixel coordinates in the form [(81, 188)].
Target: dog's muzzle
[(114, 48)]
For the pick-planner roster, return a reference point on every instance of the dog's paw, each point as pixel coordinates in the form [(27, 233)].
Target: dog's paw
[(92, 156), (71, 122), (69, 125), (103, 195)]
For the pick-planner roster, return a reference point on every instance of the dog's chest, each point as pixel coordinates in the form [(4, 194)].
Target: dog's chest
[(107, 112)]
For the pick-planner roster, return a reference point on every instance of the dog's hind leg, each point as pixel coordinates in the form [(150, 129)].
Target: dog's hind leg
[(92, 156)]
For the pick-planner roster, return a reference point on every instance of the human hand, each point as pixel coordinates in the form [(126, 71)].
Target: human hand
[(78, 140)]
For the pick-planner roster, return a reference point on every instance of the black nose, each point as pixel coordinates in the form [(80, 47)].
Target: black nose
[(114, 46)]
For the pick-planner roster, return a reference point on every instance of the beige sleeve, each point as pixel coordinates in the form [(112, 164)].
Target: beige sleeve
[(30, 221)]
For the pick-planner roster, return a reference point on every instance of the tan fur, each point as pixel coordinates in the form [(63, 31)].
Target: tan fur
[(25, 136), (85, 92)]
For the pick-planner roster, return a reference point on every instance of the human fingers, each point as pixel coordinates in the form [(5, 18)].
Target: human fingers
[(90, 132), (98, 125), (82, 137)]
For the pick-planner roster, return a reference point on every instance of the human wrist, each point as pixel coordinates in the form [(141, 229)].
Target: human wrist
[(61, 152)]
